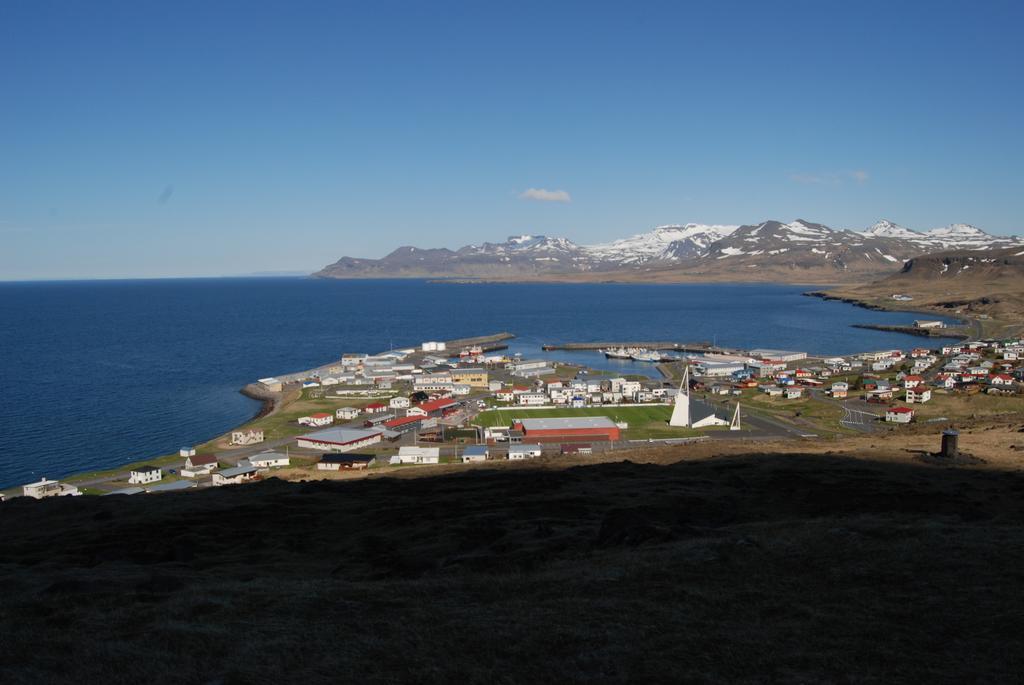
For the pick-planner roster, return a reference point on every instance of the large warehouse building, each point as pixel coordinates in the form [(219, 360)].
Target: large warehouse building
[(339, 439), (568, 429)]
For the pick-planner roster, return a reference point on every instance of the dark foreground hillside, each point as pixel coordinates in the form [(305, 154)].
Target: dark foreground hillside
[(782, 568)]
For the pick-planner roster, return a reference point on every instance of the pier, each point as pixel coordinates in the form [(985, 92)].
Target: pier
[(486, 343), (699, 347)]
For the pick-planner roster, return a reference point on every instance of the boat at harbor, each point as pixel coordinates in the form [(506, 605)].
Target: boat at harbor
[(637, 354)]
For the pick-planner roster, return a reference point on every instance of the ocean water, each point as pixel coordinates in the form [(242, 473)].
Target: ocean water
[(99, 373)]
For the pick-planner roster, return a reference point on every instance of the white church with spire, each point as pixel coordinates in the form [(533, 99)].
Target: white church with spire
[(681, 414)]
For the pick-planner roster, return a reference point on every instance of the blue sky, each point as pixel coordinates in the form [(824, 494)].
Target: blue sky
[(157, 139)]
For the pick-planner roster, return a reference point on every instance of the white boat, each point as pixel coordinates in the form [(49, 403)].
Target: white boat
[(616, 353), (646, 356)]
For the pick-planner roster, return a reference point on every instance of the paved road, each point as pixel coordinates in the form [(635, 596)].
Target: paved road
[(855, 415)]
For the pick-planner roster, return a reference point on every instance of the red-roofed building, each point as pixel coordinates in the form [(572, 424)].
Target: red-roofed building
[(441, 407), (404, 424), (375, 408), (1001, 379), (568, 429), (899, 414), (912, 382), (318, 419)]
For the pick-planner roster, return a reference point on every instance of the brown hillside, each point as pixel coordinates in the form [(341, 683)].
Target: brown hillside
[(790, 568)]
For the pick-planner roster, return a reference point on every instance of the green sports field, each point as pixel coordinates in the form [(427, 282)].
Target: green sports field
[(647, 421)]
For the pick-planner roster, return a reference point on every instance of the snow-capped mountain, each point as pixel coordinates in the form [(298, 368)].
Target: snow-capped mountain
[(965, 236), (669, 243), (952, 237), (523, 243), (888, 229), (789, 250)]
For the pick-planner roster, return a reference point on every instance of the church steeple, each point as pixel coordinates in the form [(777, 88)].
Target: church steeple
[(681, 411)]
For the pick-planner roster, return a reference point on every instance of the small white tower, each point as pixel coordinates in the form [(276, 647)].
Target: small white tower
[(681, 411)]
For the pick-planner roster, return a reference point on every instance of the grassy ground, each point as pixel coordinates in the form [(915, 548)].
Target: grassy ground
[(958, 406), (647, 421), (282, 423), (166, 461), (825, 413), (785, 568)]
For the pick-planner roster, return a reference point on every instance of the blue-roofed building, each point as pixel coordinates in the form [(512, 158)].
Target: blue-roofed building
[(173, 486), (236, 475), (125, 491), (475, 453)]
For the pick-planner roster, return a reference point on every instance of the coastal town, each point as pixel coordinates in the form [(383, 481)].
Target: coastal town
[(469, 402)]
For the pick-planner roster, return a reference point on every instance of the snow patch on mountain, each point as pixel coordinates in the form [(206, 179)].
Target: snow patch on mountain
[(670, 242), (888, 229)]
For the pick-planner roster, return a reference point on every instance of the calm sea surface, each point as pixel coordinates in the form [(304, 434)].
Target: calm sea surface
[(100, 373)]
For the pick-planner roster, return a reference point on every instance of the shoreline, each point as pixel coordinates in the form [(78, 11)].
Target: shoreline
[(962, 321), (271, 402), (268, 404)]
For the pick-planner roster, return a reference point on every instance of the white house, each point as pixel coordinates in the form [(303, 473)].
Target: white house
[(417, 455), (899, 414), (271, 384), (521, 452), (199, 465), (144, 474), (399, 402), (772, 390), (528, 399), (560, 395), (266, 460), (235, 476), (919, 394), (316, 420), (475, 453), (630, 388), (346, 413), (794, 393), (912, 381), (923, 363), (187, 452), (49, 488)]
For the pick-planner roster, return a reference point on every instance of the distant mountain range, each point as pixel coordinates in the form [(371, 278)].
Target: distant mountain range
[(798, 251)]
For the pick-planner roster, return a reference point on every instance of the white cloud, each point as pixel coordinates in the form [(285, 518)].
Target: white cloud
[(831, 178), (544, 195)]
